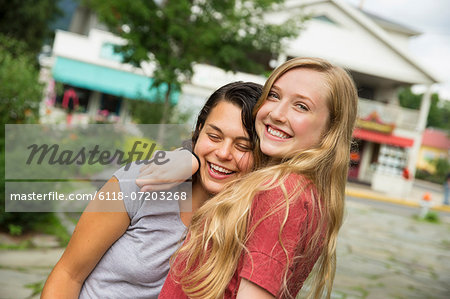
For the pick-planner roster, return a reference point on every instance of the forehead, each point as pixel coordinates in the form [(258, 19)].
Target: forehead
[(227, 117), (303, 81)]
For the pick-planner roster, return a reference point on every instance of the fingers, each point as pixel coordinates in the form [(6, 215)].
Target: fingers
[(158, 187), (142, 181)]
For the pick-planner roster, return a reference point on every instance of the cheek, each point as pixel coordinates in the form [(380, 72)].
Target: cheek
[(261, 114), (201, 147)]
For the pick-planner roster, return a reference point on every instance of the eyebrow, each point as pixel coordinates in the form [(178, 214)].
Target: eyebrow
[(297, 94), (221, 132)]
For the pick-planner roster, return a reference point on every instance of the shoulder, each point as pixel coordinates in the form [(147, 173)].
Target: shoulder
[(129, 172), (295, 189), (126, 177)]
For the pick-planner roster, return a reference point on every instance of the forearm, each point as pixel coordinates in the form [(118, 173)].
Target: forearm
[(60, 284)]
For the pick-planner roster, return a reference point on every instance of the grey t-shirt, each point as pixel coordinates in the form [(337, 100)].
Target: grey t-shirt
[(136, 265)]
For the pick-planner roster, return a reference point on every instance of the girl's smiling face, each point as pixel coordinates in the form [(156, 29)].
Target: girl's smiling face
[(223, 147), (295, 113)]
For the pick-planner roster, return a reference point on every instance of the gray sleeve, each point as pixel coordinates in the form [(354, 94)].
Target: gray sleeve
[(127, 181)]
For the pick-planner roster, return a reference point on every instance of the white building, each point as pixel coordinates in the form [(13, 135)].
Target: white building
[(371, 48)]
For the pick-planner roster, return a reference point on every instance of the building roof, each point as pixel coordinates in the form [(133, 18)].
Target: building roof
[(391, 25), (357, 43), (436, 138)]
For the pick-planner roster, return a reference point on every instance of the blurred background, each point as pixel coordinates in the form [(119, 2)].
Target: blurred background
[(149, 62)]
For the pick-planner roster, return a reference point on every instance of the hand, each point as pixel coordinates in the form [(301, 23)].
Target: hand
[(180, 167)]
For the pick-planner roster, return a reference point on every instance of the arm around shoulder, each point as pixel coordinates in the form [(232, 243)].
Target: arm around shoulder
[(94, 234)]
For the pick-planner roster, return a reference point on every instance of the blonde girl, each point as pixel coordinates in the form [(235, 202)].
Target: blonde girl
[(262, 235)]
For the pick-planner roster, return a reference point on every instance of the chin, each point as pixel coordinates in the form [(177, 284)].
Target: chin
[(213, 190)]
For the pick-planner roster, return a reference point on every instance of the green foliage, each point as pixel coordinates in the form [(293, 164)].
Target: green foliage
[(431, 217), (178, 33), (20, 94), (442, 169), (174, 35), (439, 114), (53, 226), (145, 112), (20, 91), (408, 99), (28, 21), (36, 287), (426, 176), (14, 230)]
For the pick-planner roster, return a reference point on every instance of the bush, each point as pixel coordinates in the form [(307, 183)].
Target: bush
[(20, 94), (442, 169)]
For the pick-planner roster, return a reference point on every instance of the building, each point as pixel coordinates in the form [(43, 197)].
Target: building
[(373, 49), (435, 145)]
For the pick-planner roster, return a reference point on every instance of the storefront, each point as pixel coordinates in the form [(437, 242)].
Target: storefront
[(379, 157)]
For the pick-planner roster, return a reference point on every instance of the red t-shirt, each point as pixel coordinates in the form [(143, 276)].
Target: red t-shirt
[(265, 262)]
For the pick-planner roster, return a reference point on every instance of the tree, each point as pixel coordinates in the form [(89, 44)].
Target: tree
[(408, 99), (20, 94), (174, 35), (20, 91), (28, 21), (439, 114)]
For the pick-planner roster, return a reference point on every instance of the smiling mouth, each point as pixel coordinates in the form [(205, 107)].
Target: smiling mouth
[(219, 170), (277, 133)]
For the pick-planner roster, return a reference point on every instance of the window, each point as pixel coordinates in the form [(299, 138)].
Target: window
[(325, 19), (366, 92), (73, 99), (111, 104)]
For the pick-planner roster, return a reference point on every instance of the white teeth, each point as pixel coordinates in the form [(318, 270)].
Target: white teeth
[(277, 133), (220, 169)]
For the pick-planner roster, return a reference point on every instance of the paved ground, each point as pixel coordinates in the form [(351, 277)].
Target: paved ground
[(23, 271), (386, 255), (383, 252)]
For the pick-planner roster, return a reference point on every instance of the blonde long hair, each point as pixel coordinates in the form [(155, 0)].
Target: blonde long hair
[(205, 264)]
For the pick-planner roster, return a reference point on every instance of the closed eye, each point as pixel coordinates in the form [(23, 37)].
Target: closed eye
[(243, 147), (213, 137)]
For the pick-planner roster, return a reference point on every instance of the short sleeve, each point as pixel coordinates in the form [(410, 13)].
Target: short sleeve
[(265, 261), (127, 181)]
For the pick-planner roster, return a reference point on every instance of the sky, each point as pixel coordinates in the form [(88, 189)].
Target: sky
[(432, 18)]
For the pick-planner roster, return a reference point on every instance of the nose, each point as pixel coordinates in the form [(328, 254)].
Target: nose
[(279, 111), (224, 151)]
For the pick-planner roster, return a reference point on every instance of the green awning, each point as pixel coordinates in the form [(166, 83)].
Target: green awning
[(107, 80)]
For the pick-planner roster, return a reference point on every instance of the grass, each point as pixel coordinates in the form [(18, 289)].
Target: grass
[(26, 244), (431, 217), (364, 292), (49, 225), (36, 287), (54, 227)]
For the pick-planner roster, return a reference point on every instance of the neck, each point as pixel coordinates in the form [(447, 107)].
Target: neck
[(189, 207), (199, 196)]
